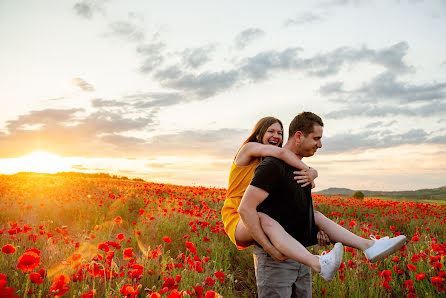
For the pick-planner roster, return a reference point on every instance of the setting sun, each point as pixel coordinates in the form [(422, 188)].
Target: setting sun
[(38, 162)]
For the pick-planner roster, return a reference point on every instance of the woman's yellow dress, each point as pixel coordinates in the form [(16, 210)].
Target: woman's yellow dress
[(239, 179)]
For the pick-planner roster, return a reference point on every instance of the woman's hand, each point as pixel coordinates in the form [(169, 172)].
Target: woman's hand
[(305, 176), (322, 238)]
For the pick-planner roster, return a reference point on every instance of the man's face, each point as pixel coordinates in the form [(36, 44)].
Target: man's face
[(310, 143)]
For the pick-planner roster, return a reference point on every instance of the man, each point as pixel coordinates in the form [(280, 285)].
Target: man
[(273, 191)]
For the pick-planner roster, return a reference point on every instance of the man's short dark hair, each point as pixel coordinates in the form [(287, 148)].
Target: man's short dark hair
[(304, 122)]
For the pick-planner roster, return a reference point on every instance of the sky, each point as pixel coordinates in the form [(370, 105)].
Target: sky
[(168, 90)]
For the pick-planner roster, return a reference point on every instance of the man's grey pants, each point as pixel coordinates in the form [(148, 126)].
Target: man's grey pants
[(280, 279)]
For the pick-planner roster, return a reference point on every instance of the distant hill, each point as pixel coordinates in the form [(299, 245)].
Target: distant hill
[(432, 193)]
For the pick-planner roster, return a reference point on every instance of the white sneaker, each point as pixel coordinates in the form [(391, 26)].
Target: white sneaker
[(384, 247), (330, 262)]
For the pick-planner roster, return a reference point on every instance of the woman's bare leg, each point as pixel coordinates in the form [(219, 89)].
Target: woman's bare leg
[(337, 233), (281, 240)]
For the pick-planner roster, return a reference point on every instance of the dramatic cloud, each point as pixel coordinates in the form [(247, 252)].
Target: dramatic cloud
[(303, 18), (87, 8), (247, 36), (84, 85)]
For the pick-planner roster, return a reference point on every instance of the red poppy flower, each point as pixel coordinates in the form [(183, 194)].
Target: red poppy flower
[(408, 284), (209, 281), (120, 237), (420, 276), (128, 253), (28, 261), (220, 275), (90, 294), (211, 294), (129, 291), (386, 285), (118, 220), (8, 249), (166, 239), (59, 286), (411, 267), (36, 278), (175, 294)]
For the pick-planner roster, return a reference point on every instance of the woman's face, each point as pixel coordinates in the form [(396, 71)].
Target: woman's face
[(273, 135)]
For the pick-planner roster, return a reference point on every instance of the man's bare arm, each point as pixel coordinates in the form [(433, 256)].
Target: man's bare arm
[(251, 199)]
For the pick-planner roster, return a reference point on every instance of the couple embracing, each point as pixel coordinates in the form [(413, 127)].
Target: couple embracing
[(269, 204)]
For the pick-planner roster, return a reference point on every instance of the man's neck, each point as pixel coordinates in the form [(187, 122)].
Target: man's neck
[(293, 148)]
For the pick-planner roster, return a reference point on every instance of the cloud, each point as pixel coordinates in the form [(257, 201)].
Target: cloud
[(331, 88), (374, 139), (84, 85), (141, 100), (386, 86), (87, 8), (152, 54), (261, 65), (196, 57), (105, 133), (46, 117), (322, 65), (126, 29), (303, 18), (246, 37), (197, 86), (381, 110), (70, 133)]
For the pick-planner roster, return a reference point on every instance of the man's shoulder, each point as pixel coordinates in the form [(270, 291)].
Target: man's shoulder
[(272, 160)]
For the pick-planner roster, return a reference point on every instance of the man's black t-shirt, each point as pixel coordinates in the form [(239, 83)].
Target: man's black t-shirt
[(288, 203)]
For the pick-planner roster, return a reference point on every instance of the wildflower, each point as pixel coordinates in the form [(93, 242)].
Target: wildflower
[(209, 281), (118, 220), (29, 261), (120, 237), (420, 276), (59, 286), (167, 239), (211, 294), (411, 267), (129, 291), (408, 284), (220, 276), (128, 253), (36, 278), (90, 294), (8, 249)]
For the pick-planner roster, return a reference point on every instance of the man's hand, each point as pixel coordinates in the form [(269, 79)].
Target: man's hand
[(275, 254), (322, 238), (305, 176)]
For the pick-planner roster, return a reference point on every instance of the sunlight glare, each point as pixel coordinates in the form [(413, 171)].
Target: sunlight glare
[(38, 162)]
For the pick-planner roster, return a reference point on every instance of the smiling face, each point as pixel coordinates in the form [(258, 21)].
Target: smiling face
[(273, 135), (309, 144)]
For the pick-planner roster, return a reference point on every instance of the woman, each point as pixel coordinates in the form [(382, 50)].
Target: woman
[(266, 140)]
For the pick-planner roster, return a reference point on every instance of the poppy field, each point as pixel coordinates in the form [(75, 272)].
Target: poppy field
[(75, 236)]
